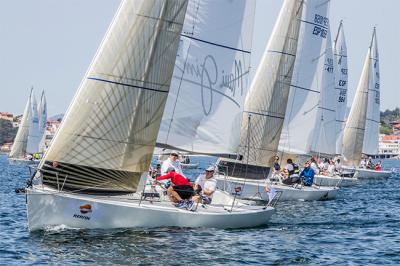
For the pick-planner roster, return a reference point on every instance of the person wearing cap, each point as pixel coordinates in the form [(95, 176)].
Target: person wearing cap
[(181, 188), (172, 161), (205, 185), (308, 175)]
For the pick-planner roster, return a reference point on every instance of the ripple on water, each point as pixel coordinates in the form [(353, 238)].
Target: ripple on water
[(360, 227)]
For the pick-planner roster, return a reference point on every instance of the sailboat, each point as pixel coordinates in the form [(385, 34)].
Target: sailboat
[(362, 126), (26, 142), (293, 46), (42, 122), (333, 103), (94, 174)]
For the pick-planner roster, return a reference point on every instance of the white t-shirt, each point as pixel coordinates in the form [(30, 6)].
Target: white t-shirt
[(289, 167), (315, 168), (168, 163), (331, 169), (209, 184)]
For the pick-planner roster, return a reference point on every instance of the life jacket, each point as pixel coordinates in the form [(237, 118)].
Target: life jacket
[(296, 169)]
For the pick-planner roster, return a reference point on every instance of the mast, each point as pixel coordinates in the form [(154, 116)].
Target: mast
[(107, 137)]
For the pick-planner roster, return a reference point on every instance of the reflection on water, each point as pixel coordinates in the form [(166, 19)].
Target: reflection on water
[(360, 227)]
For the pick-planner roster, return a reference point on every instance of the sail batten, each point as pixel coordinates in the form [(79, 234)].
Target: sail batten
[(111, 126)]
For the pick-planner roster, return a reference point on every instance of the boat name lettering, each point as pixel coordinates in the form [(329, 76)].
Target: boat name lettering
[(344, 71), (377, 98), (342, 95), (81, 217), (321, 30), (342, 83), (329, 65), (324, 21)]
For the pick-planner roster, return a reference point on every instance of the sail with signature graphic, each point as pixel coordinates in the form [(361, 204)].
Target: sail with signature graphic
[(268, 95), (18, 149), (211, 76), (324, 140), (371, 135), (107, 137), (305, 89), (42, 121), (34, 136), (354, 132), (341, 81)]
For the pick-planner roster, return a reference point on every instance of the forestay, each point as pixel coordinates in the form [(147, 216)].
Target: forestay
[(341, 81), (324, 140), (304, 97), (34, 136), (42, 121), (205, 103), (107, 137), (18, 149), (268, 95), (353, 136), (371, 135)]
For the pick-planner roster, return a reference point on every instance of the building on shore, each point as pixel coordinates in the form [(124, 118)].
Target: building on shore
[(389, 146), (6, 116)]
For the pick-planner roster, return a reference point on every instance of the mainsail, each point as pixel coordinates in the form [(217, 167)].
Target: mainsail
[(42, 121), (340, 50), (34, 137), (268, 95), (304, 98), (354, 132), (324, 140), (107, 137), (18, 149), (371, 135), (204, 107)]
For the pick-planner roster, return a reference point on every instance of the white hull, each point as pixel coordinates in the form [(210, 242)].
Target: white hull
[(362, 173), (334, 181), (47, 208), (189, 165), (254, 189)]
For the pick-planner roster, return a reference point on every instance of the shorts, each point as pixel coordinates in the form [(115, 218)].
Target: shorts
[(185, 192)]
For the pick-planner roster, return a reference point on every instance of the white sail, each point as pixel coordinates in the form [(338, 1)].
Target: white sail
[(107, 137), (268, 95), (204, 107), (371, 135), (324, 141), (341, 81), (304, 97), (353, 136), (34, 136), (18, 149), (42, 121)]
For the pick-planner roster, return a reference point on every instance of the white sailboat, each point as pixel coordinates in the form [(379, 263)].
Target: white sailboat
[(42, 122), (96, 167), (281, 67), (362, 126), (332, 109), (27, 139)]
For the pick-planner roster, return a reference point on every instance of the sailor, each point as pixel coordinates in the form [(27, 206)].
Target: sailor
[(370, 165), (338, 166), (205, 185), (307, 174), (378, 166), (173, 162), (314, 165), (180, 190)]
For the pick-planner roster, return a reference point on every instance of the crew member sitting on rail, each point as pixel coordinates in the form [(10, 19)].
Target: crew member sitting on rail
[(205, 185), (181, 188), (290, 173), (307, 174), (378, 166), (172, 161)]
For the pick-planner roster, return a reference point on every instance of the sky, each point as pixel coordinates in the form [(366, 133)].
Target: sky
[(49, 45)]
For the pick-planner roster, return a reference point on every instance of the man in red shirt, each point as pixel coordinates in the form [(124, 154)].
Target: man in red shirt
[(181, 188)]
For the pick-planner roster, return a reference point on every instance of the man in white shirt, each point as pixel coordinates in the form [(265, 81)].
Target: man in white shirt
[(206, 184), (172, 161)]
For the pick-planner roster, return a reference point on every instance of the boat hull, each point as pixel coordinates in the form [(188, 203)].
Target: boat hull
[(189, 165), (254, 190), (334, 181), (362, 173), (46, 208)]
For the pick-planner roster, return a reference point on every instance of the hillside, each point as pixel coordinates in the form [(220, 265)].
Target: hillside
[(7, 132)]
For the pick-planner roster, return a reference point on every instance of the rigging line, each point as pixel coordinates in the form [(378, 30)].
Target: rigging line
[(302, 88), (179, 90), (315, 24), (216, 44), (125, 84), (280, 52), (257, 113)]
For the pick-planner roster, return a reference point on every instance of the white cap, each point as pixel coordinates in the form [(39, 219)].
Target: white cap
[(210, 168)]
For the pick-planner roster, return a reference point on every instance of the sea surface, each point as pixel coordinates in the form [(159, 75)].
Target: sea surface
[(360, 227)]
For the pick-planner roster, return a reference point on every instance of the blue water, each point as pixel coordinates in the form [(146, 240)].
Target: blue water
[(360, 227)]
